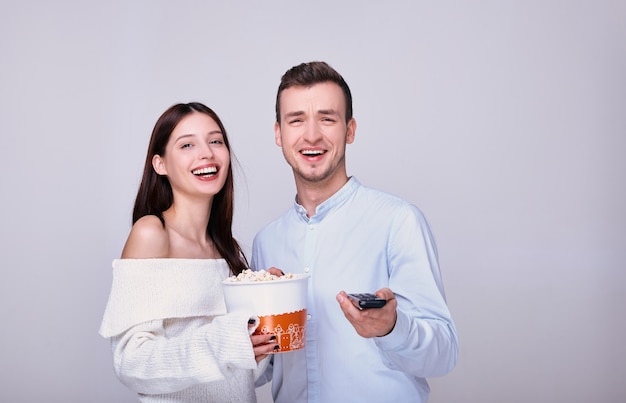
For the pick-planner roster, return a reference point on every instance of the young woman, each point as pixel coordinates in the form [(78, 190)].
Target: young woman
[(171, 337)]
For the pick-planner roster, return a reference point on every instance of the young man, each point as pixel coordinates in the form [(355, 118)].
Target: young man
[(351, 238)]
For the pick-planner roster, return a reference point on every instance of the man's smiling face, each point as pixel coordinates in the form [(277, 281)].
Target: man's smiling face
[(313, 132)]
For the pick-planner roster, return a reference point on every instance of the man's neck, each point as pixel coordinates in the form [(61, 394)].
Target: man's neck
[(312, 194)]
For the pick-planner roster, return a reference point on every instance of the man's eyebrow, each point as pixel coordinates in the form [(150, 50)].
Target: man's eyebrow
[(294, 113), (319, 112)]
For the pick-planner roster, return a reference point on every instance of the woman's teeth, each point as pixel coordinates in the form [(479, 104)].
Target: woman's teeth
[(205, 171)]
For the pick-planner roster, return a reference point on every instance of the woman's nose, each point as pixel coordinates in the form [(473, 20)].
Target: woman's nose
[(205, 151)]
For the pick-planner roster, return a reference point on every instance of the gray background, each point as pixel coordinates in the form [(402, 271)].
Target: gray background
[(504, 121)]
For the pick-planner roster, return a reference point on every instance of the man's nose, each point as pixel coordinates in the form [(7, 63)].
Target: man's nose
[(311, 132)]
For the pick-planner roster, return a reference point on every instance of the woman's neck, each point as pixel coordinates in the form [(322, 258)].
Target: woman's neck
[(187, 229)]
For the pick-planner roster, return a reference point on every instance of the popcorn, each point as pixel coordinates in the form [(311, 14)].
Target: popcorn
[(250, 276)]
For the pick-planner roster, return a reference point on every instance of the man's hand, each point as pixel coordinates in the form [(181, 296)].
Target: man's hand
[(373, 322)]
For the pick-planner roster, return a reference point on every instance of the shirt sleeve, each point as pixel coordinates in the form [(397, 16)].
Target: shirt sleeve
[(424, 340), (148, 362), (265, 372)]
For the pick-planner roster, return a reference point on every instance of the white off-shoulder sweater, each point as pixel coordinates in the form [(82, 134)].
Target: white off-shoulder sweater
[(171, 337)]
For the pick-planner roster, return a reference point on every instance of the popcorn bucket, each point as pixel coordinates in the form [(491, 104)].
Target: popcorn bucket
[(280, 305)]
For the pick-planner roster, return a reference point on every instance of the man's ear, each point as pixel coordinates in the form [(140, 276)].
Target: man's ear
[(158, 165), (277, 139), (350, 131)]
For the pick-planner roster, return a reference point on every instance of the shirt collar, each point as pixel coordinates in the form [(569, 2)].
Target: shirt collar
[(331, 203)]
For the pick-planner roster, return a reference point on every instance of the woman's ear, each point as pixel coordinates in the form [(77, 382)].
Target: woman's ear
[(158, 165)]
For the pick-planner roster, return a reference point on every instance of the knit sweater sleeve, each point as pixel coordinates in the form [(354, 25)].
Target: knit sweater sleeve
[(148, 362), (168, 326)]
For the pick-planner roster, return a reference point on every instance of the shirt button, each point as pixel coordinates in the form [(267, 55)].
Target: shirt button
[(306, 269), (311, 227), (308, 317)]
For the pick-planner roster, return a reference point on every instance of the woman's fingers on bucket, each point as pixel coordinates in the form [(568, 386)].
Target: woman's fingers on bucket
[(275, 271), (260, 340), (264, 344)]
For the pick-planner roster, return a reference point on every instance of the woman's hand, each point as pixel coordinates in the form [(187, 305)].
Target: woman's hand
[(263, 344), (275, 271)]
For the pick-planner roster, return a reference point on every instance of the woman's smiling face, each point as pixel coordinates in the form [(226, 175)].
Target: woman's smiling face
[(196, 159)]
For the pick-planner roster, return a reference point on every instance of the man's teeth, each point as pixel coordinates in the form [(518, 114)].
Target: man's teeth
[(204, 171), (312, 152)]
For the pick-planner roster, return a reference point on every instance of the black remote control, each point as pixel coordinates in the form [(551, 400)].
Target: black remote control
[(368, 300)]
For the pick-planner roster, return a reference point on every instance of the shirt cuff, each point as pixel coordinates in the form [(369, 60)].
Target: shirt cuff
[(397, 337)]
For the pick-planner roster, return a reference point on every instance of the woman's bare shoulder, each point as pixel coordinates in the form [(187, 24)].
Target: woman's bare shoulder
[(148, 238)]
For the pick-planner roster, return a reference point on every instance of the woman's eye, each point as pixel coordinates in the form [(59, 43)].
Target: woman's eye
[(217, 141), (186, 145)]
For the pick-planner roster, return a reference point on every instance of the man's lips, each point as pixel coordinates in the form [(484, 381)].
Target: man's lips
[(312, 153)]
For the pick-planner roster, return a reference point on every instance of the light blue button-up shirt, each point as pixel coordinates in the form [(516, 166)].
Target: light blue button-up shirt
[(360, 240)]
